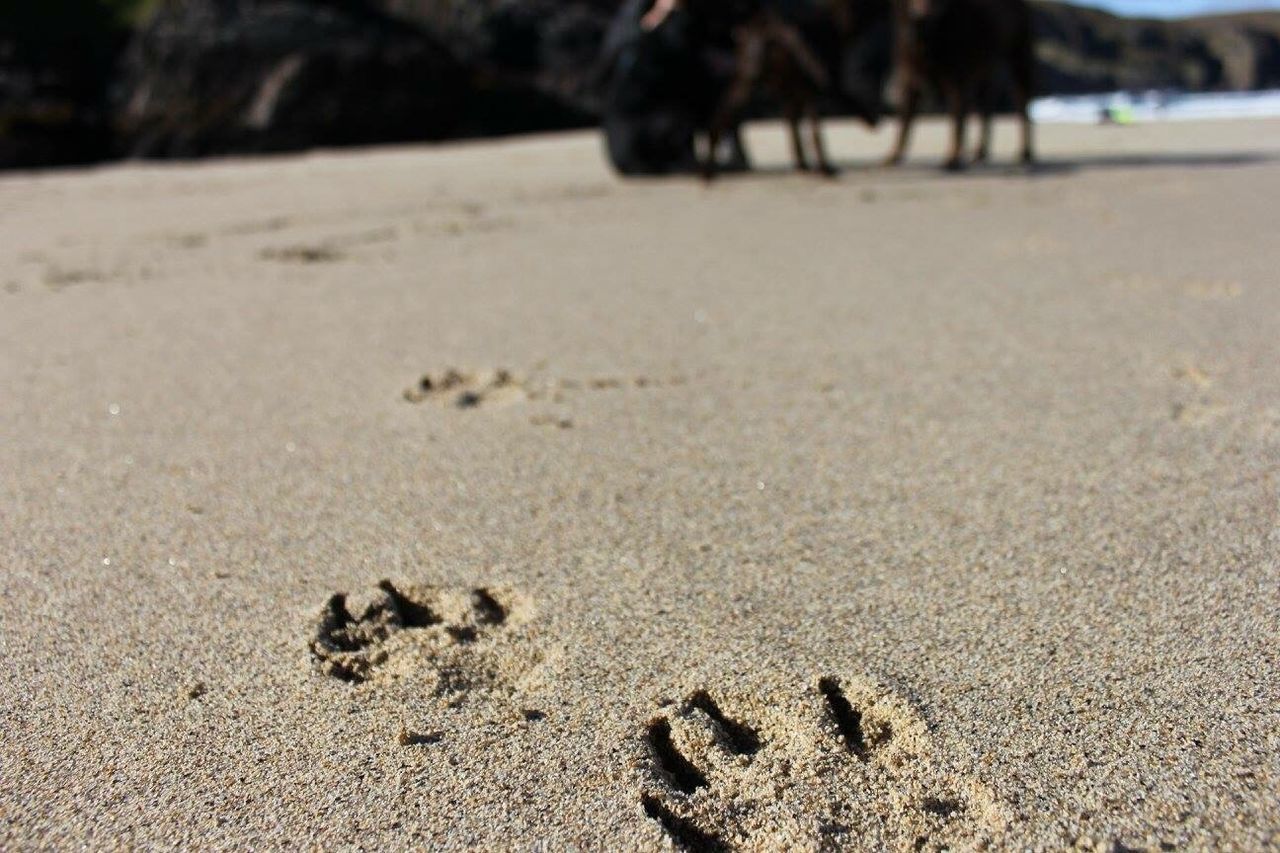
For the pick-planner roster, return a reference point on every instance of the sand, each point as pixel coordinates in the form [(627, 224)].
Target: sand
[(900, 511)]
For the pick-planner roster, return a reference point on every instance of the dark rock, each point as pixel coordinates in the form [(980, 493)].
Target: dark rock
[(550, 46), (55, 61), (1082, 50), (224, 76), (43, 122)]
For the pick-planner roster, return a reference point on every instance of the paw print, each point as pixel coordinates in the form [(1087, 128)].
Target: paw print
[(469, 389), (840, 764), (465, 638)]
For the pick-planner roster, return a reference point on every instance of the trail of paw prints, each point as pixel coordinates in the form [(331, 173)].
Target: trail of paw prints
[(841, 764), (338, 247), (464, 640), (496, 387), (71, 268)]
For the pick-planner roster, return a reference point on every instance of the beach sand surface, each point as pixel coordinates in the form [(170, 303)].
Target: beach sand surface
[(468, 496)]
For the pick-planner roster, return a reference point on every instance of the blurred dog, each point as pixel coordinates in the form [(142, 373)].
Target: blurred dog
[(771, 53), (674, 71), (958, 47), (796, 52)]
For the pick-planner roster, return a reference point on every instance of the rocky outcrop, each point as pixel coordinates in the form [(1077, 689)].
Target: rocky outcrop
[(45, 120), (222, 76), (55, 61), (1084, 50), (229, 76), (550, 45)]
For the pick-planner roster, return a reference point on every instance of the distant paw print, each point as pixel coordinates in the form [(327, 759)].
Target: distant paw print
[(840, 765), (1194, 405), (469, 390)]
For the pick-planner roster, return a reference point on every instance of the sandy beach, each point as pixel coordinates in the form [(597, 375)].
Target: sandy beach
[(469, 497)]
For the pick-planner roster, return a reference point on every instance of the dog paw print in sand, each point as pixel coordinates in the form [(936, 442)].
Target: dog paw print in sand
[(837, 764), (318, 253), (332, 249), (473, 389), (463, 640), (1209, 290), (1212, 289), (1194, 404), (470, 389), (58, 279), (1196, 413)]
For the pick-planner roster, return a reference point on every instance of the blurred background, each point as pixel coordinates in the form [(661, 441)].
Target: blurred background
[(83, 81)]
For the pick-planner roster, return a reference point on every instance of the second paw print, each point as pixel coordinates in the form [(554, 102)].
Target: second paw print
[(480, 639)]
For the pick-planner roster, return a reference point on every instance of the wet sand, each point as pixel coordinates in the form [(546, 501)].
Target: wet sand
[(903, 510)]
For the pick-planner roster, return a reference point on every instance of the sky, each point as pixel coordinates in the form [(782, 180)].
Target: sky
[(1177, 8)]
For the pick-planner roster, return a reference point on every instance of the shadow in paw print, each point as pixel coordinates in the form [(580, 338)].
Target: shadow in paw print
[(848, 721), (739, 737), (684, 833), (684, 777)]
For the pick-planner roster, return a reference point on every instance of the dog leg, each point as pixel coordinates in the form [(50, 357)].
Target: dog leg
[(910, 104), (983, 151), (738, 159), (1023, 69), (749, 67), (959, 108), (819, 146), (797, 143)]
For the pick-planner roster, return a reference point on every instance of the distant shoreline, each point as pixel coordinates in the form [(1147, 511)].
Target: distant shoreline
[(1156, 105)]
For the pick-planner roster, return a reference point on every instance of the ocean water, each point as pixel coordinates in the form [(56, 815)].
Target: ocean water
[(1127, 107)]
